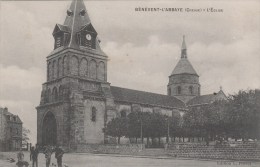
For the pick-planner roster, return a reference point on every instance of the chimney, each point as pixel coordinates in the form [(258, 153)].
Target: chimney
[(5, 110)]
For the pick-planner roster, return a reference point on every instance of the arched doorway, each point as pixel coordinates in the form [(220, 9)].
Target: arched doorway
[(49, 130)]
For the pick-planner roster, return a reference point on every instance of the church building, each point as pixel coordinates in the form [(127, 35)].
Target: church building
[(77, 101)]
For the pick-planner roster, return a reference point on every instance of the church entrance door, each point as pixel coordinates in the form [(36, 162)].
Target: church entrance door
[(49, 135)]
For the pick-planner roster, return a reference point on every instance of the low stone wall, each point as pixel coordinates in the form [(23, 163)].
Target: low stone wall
[(127, 149), (230, 150)]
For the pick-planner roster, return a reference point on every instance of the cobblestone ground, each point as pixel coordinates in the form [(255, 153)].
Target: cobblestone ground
[(90, 160)]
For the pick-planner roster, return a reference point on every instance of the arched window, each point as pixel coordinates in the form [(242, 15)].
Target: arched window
[(123, 114), (65, 65), (191, 89), (169, 91), (49, 71), (101, 71), (55, 69), (60, 67), (60, 93), (179, 89), (93, 114), (48, 96), (54, 94), (74, 65), (93, 69), (83, 67)]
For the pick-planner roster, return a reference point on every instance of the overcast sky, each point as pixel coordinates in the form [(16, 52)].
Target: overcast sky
[(143, 47)]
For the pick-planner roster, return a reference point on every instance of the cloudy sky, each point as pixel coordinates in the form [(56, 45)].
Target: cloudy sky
[(143, 47)]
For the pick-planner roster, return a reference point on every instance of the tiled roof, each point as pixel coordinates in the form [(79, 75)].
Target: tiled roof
[(184, 67), (141, 97), (207, 99)]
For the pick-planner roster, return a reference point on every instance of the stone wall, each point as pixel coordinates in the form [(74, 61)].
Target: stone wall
[(93, 124), (189, 86), (120, 107), (126, 149), (61, 114), (230, 150), (75, 64)]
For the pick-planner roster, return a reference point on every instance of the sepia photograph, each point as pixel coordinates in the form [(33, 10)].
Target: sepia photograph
[(129, 83)]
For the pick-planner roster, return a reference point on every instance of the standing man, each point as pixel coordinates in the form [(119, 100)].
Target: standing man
[(34, 156), (58, 155), (48, 152), (20, 156)]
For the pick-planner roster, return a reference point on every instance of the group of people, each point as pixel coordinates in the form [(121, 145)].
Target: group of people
[(47, 151), (58, 155)]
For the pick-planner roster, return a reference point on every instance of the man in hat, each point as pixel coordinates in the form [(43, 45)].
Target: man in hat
[(58, 155), (34, 156)]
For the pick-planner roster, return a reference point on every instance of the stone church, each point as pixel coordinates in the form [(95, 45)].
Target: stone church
[(77, 101)]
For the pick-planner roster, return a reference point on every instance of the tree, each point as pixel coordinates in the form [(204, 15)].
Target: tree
[(117, 127), (153, 125), (158, 126), (175, 125), (25, 136), (215, 124), (243, 115), (238, 117), (134, 125), (206, 120)]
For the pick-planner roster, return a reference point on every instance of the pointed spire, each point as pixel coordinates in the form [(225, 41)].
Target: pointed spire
[(183, 43), (77, 17), (183, 48), (74, 29), (184, 66)]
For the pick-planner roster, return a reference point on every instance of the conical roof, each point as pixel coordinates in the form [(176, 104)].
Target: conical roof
[(184, 66)]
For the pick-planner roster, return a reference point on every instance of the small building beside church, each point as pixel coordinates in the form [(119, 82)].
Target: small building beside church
[(77, 101), (10, 131)]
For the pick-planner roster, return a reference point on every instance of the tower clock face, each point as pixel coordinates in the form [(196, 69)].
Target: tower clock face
[(88, 37)]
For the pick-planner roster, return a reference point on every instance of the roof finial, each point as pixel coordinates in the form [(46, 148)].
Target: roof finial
[(220, 88), (183, 48)]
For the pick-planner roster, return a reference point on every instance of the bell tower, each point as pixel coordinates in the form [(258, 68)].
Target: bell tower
[(76, 93), (184, 80)]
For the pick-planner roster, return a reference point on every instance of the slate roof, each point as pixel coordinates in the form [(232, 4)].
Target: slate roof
[(141, 97), (75, 21), (6, 113), (73, 24), (64, 28), (207, 99), (184, 67)]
